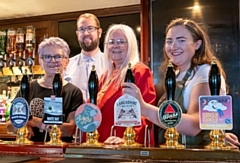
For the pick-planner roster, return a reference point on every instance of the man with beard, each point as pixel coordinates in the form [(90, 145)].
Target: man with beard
[(88, 33)]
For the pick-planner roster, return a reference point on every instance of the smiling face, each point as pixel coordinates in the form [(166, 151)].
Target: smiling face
[(117, 47), (51, 67), (180, 47), (88, 41)]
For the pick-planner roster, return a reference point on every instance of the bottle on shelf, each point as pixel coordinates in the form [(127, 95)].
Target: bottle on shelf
[(3, 42), (20, 44), (30, 46), (11, 48)]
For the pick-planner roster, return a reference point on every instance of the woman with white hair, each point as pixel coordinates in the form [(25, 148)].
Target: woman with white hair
[(53, 55), (120, 49)]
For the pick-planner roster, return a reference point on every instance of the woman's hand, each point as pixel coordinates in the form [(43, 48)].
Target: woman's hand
[(133, 90), (232, 139), (113, 140)]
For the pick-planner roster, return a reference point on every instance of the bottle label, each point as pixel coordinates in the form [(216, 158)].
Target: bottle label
[(20, 38), (29, 36), (11, 32), (2, 33)]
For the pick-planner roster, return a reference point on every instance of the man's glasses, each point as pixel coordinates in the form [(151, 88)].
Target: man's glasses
[(90, 29), (119, 42), (47, 58)]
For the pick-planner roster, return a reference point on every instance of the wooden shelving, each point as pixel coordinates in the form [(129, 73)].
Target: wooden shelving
[(36, 69)]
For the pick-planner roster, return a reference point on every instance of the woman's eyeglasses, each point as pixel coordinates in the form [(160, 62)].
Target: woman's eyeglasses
[(47, 58), (119, 42)]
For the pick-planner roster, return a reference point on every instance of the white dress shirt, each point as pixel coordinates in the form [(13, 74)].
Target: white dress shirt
[(79, 69)]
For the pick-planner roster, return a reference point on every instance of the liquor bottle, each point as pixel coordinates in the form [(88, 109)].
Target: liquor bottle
[(3, 42), (129, 75), (20, 44), (30, 36), (57, 84), (20, 40), (11, 48), (25, 87), (30, 46), (170, 82), (93, 86), (214, 78), (11, 41)]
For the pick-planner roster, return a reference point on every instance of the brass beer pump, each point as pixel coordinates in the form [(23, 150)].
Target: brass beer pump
[(92, 137), (23, 132), (171, 133), (129, 134), (217, 136), (55, 132)]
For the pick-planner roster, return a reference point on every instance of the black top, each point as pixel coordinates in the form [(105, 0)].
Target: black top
[(72, 99)]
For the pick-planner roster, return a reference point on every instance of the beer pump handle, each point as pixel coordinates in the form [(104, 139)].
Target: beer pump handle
[(93, 86), (214, 78), (170, 82)]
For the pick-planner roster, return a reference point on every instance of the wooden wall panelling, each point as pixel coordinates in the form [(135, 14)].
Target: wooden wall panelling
[(145, 42), (48, 24)]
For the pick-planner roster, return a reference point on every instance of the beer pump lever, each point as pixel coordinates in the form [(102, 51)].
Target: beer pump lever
[(20, 65), (93, 86), (217, 136), (1, 66), (30, 64), (11, 64), (55, 132), (170, 82)]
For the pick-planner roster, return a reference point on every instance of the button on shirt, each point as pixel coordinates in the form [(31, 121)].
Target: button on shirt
[(79, 69)]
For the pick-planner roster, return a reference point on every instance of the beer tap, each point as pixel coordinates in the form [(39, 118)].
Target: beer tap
[(11, 64), (214, 78), (22, 134), (93, 86), (57, 84), (2, 63), (217, 136), (55, 132), (171, 135), (93, 135), (1, 66), (170, 82), (25, 87), (129, 75), (129, 134)]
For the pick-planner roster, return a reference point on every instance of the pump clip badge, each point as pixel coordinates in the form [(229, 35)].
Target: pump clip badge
[(169, 114), (19, 112), (88, 117)]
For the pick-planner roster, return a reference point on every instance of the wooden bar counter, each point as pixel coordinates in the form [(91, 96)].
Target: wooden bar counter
[(70, 153)]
